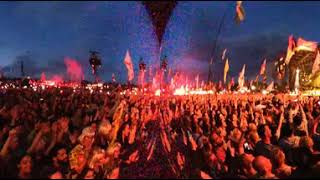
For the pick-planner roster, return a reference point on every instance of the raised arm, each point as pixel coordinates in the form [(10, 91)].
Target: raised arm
[(278, 132)]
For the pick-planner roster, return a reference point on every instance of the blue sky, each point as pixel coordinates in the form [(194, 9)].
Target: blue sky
[(43, 33)]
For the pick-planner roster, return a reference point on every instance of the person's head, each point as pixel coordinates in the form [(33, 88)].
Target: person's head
[(220, 154), (62, 155), (264, 132), (297, 120), (278, 157), (114, 150), (253, 137), (262, 165), (90, 174), (56, 175), (25, 165), (246, 161), (306, 142), (287, 130)]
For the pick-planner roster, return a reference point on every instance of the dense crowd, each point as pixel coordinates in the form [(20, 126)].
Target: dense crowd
[(67, 134)]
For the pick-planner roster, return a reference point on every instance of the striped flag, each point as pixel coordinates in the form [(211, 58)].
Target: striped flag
[(241, 76), (226, 69), (240, 14), (263, 67), (129, 65), (316, 64)]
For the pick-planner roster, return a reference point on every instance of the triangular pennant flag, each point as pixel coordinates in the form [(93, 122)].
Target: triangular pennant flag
[(263, 67), (240, 14), (226, 69), (316, 64), (129, 65)]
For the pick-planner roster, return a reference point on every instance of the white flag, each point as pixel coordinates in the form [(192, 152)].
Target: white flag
[(129, 65), (224, 54), (316, 64)]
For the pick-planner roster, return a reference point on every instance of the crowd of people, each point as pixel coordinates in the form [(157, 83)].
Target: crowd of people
[(84, 135)]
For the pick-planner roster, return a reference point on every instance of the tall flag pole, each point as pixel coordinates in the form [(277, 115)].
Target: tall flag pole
[(216, 41)]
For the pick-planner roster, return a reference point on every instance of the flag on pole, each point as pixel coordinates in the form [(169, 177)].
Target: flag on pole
[(270, 87), (257, 78), (263, 67), (264, 81), (306, 45), (316, 64), (290, 49), (226, 69), (224, 54), (241, 76), (197, 81), (113, 78), (240, 14), (129, 65)]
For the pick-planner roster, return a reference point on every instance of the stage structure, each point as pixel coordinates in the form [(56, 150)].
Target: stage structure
[(302, 60)]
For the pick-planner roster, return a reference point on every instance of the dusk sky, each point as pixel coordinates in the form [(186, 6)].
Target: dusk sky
[(43, 33)]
